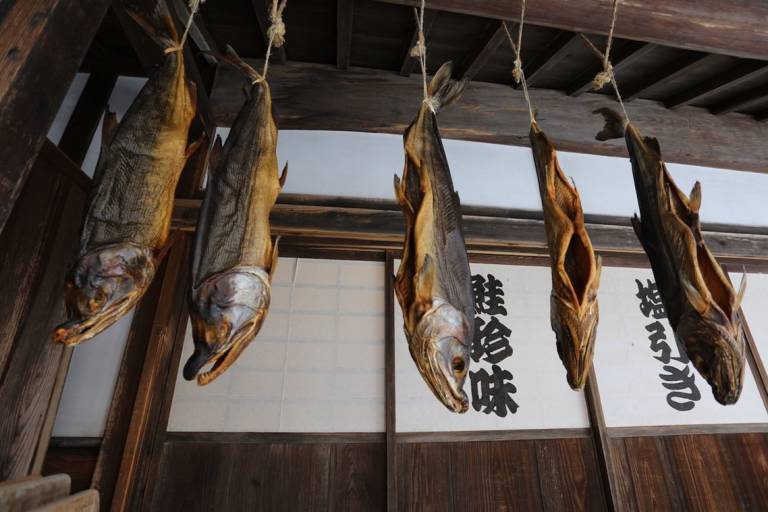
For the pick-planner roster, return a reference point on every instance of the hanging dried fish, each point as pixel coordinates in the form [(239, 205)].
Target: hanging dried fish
[(433, 282), (129, 214), (234, 257), (575, 269), (700, 302)]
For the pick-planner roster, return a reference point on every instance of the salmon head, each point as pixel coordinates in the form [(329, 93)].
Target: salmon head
[(227, 312), (104, 285), (440, 347), (575, 330)]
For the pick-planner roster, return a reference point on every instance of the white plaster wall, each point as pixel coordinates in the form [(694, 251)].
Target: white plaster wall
[(316, 366)]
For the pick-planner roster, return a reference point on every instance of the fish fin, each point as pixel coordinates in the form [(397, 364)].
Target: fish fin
[(614, 124), (108, 128), (165, 34), (695, 297), (598, 271), (231, 57), (638, 227), (442, 89), (275, 257), (402, 200), (425, 280), (283, 176), (694, 202)]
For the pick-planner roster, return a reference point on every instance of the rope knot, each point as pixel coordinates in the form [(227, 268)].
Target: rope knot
[(602, 79), (432, 103), (172, 49), (276, 32), (420, 48), (517, 72)]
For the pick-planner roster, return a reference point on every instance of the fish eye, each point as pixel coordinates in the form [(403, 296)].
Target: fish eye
[(458, 364)]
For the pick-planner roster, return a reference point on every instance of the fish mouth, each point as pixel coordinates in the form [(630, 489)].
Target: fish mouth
[(74, 332), (221, 359), (575, 335)]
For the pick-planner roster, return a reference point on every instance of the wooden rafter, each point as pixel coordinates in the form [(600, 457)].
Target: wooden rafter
[(261, 9), (491, 42), (345, 10), (548, 58), (622, 59), (315, 96), (35, 77), (408, 62), (82, 125), (741, 73), (668, 74), (746, 100), (704, 25)]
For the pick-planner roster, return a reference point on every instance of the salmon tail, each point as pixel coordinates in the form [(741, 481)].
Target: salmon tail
[(442, 89), (159, 26), (614, 124), (233, 59)]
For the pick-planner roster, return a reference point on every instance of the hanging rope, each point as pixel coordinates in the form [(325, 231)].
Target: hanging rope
[(516, 49), (600, 55), (420, 50), (517, 72), (275, 33), (606, 75), (194, 6)]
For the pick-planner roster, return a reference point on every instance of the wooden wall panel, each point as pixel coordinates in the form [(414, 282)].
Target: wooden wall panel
[(710, 472), (200, 476), (39, 242), (76, 461), (546, 474)]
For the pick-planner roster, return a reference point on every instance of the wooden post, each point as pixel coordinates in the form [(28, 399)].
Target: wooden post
[(38, 244), (602, 443), (42, 44), (389, 364), (152, 402)]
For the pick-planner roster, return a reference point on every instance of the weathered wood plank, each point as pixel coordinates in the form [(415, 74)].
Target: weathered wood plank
[(27, 493), (667, 74), (703, 25), (621, 59), (314, 96), (83, 501), (484, 233), (358, 477), (483, 54), (33, 34), (390, 413), (424, 478), (602, 443), (76, 461), (151, 406), (548, 58), (29, 362), (743, 72)]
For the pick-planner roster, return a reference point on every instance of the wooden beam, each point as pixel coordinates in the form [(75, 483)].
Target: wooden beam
[(87, 115), (746, 100), (549, 56), (483, 54), (741, 73), (314, 96), (389, 379), (345, 10), (622, 59), (486, 230), (668, 74), (408, 62), (261, 8), (34, 78), (39, 241), (149, 416), (602, 442), (704, 25)]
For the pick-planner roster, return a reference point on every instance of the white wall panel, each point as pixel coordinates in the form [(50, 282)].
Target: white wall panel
[(628, 372), (316, 366), (543, 397)]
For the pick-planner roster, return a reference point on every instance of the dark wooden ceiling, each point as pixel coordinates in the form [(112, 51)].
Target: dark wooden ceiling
[(554, 59), (381, 34)]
